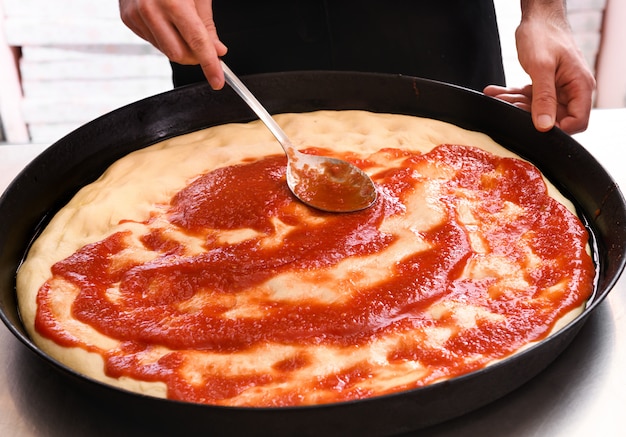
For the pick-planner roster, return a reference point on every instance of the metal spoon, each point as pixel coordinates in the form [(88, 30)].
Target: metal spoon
[(324, 183)]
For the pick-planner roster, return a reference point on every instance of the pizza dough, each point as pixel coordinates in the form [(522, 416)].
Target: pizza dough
[(188, 271)]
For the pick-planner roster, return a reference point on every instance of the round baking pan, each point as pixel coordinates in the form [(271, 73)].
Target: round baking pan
[(79, 158)]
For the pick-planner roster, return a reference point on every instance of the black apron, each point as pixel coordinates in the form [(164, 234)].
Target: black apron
[(454, 41)]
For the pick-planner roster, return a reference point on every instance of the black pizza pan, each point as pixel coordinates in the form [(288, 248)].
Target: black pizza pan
[(60, 171)]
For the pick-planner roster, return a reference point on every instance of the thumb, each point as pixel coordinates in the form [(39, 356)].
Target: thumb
[(544, 102)]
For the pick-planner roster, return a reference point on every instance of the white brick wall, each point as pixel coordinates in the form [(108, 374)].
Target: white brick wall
[(78, 62), (12, 127)]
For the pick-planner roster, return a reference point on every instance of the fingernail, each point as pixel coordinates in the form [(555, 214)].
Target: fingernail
[(545, 122)]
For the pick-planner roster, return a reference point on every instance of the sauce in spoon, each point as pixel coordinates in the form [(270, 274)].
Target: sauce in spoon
[(321, 182)]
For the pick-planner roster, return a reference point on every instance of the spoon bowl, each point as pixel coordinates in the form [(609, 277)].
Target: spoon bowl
[(327, 184)]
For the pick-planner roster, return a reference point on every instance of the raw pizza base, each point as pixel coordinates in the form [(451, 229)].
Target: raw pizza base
[(131, 187)]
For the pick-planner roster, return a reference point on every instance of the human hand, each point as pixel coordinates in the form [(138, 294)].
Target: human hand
[(562, 85), (182, 29)]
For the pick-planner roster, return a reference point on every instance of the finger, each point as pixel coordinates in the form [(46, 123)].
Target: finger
[(573, 113), (213, 72), (544, 100), (495, 90), (513, 98), (159, 29), (205, 12), (522, 105), (518, 97), (201, 37), (573, 124)]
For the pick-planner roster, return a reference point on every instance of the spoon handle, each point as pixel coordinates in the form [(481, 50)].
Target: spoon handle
[(255, 105)]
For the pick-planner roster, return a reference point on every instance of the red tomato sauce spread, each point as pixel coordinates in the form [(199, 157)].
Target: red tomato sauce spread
[(149, 309)]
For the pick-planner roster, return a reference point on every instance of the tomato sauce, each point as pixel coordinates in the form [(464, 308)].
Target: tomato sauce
[(149, 311), (336, 188)]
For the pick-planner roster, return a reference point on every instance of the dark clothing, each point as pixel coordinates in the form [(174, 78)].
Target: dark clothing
[(454, 41)]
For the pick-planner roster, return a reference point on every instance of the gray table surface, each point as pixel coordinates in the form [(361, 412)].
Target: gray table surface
[(582, 393)]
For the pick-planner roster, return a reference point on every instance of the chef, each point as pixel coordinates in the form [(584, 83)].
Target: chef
[(454, 41)]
